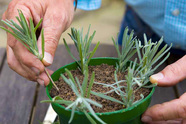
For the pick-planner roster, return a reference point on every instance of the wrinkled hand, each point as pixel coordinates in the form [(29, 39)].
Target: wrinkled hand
[(57, 16), (173, 112)]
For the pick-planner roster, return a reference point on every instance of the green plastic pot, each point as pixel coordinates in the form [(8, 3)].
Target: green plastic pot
[(130, 115)]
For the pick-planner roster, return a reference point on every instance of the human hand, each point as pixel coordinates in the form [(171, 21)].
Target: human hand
[(173, 112), (57, 16)]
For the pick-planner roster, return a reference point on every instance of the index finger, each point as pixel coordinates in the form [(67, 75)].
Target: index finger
[(172, 74)]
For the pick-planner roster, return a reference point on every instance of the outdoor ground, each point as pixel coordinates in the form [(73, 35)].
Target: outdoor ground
[(106, 21)]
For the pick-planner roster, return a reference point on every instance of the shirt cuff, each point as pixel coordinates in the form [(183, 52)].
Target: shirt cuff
[(88, 4)]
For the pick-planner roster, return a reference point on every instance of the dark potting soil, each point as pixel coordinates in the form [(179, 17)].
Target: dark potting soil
[(103, 74)]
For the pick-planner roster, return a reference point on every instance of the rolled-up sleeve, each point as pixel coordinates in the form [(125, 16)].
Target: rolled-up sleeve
[(88, 4)]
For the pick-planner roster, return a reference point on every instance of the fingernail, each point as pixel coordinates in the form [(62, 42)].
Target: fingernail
[(146, 119), (48, 58), (41, 82), (35, 70), (154, 78)]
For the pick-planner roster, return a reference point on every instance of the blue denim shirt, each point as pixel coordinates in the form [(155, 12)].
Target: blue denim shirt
[(166, 17)]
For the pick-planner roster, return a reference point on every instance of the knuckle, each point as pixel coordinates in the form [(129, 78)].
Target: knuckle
[(11, 5), (31, 78), (10, 63), (182, 108), (174, 69), (62, 18), (59, 20), (159, 114), (26, 60), (51, 40), (40, 66), (11, 10), (11, 41), (24, 6), (66, 20), (32, 61)]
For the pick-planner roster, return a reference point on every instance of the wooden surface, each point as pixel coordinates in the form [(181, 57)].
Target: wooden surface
[(2, 58), (16, 97), (20, 99)]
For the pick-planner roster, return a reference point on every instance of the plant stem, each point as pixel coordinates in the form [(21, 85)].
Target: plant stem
[(51, 79)]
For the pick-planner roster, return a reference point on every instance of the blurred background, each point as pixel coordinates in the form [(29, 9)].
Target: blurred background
[(106, 21)]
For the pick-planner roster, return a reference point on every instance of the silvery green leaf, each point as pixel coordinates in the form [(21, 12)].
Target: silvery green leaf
[(92, 112), (82, 46), (106, 97), (138, 82), (90, 84), (150, 86), (81, 90), (142, 97), (79, 101), (89, 117), (116, 90), (72, 114), (70, 106), (93, 102), (85, 81)]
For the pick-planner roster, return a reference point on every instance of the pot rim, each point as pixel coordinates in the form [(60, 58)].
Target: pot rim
[(104, 113)]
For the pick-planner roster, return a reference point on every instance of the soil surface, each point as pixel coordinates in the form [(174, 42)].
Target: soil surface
[(103, 74)]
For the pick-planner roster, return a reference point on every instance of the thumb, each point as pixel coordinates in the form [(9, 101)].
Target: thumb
[(167, 111), (53, 25), (172, 74)]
